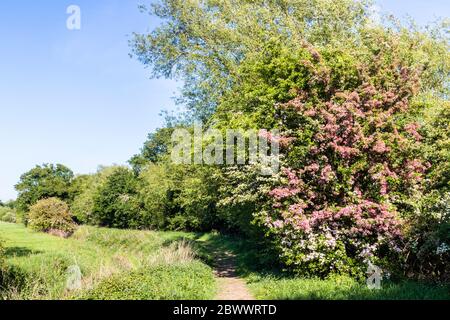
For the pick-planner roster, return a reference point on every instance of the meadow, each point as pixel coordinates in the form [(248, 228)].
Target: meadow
[(115, 264), (147, 265)]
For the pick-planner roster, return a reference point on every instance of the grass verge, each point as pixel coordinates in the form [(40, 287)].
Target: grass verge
[(37, 263), (267, 281)]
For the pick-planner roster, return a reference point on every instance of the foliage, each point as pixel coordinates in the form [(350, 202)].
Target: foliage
[(178, 197), (242, 192), (351, 153), (85, 188), (2, 265), (157, 196), (196, 199), (436, 142), (204, 42), (7, 214), (347, 162), (42, 182), (427, 250), (344, 288), (2, 255), (192, 281), (49, 215), (154, 149), (353, 105), (363, 113), (117, 203)]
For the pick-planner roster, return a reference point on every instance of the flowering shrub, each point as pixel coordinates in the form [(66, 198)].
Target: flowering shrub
[(348, 161), (427, 249), (51, 215)]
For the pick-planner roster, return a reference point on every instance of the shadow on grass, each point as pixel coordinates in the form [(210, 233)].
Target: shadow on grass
[(12, 278), (314, 289), (236, 256), (253, 261), (12, 252)]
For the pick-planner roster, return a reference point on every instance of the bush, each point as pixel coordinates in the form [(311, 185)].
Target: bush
[(156, 193), (50, 215), (197, 196), (188, 281), (243, 191), (117, 203), (86, 188), (2, 265), (427, 249), (348, 154), (178, 197), (7, 215), (348, 160)]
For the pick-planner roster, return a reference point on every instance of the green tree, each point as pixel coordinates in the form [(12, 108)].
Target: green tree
[(154, 149), (42, 182), (156, 192), (86, 188), (195, 188), (179, 197), (117, 203), (203, 42)]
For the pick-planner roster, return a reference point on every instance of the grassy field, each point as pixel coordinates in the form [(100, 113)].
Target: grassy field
[(124, 264), (343, 288), (153, 265)]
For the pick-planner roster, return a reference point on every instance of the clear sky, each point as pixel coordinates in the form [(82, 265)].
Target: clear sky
[(75, 97)]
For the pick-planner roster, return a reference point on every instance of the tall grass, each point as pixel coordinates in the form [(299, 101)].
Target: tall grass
[(37, 263), (345, 288)]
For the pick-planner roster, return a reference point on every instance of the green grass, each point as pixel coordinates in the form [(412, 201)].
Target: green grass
[(191, 281), (37, 262), (344, 288), (125, 264), (267, 281)]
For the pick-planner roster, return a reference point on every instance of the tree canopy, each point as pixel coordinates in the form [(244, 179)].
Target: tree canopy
[(44, 181)]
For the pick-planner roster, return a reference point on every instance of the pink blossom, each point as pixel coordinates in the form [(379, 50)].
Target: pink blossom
[(380, 147), (278, 224), (327, 174), (412, 130), (298, 208), (313, 167)]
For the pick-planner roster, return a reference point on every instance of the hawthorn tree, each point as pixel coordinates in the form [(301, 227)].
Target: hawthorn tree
[(42, 182)]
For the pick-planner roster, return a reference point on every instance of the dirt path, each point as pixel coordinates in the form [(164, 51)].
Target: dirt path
[(231, 287)]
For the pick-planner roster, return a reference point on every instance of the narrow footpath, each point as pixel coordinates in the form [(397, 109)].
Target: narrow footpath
[(231, 287)]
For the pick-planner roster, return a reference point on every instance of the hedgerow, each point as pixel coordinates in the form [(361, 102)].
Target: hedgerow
[(352, 151)]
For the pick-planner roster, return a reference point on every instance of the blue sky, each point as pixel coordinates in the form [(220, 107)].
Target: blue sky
[(75, 97)]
